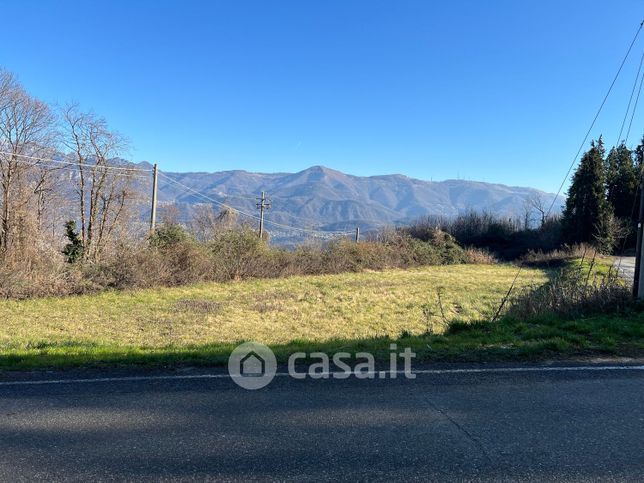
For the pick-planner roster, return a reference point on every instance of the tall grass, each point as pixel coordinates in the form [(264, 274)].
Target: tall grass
[(576, 291)]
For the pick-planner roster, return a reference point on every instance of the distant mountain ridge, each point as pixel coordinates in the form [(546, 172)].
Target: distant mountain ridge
[(324, 199)]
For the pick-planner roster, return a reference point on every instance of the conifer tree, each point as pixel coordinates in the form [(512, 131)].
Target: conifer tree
[(621, 182), (73, 251), (586, 206)]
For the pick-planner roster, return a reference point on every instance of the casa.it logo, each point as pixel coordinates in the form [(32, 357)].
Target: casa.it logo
[(252, 365)]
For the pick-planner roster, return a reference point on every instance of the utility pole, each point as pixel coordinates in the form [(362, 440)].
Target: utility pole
[(357, 234), (638, 282), (263, 204), (153, 212)]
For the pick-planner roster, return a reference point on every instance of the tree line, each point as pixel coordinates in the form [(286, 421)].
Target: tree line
[(61, 198), (602, 204), (601, 209), (54, 168)]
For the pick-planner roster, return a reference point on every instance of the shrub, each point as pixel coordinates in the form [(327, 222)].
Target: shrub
[(559, 257), (45, 273), (135, 266), (573, 293), (236, 254), (171, 256), (187, 262), (169, 234), (479, 256), (504, 237)]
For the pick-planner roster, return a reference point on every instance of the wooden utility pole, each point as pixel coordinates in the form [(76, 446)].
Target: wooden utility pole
[(638, 282), (357, 234), (153, 211), (262, 205)]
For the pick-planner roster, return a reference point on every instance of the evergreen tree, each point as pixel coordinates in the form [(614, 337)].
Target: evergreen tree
[(622, 180), (74, 249), (586, 206), (638, 154)]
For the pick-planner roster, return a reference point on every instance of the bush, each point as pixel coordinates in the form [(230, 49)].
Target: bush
[(503, 237), (573, 293), (169, 234), (559, 257), (45, 273), (171, 257), (479, 256), (237, 254)]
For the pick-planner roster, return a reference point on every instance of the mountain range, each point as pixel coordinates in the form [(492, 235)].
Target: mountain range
[(325, 200)]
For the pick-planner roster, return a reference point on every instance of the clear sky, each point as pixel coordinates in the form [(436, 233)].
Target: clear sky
[(498, 91)]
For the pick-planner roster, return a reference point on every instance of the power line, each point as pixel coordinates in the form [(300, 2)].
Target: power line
[(635, 106), (574, 161), (250, 197), (205, 197), (592, 124), (276, 209), (248, 215), (253, 198), (630, 99), (74, 167), (641, 170), (74, 163)]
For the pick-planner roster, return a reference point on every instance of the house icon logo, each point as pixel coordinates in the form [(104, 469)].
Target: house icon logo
[(252, 365)]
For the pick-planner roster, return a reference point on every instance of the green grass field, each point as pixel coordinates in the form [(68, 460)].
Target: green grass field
[(200, 324)]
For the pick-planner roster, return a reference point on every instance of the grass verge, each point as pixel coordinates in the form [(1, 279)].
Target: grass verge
[(200, 325), (505, 340)]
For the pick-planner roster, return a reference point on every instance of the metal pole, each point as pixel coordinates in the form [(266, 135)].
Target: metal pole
[(357, 234), (638, 285), (153, 213)]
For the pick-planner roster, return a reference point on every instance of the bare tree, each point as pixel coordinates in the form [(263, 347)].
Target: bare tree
[(203, 222), (26, 133), (103, 193), (609, 232), (170, 214), (7, 82), (538, 203), (527, 214), (206, 223)]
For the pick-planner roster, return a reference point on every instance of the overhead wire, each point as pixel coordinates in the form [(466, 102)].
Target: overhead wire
[(73, 167), (75, 163), (254, 198), (249, 215), (639, 91), (630, 100), (641, 170), (131, 173), (592, 124), (574, 162)]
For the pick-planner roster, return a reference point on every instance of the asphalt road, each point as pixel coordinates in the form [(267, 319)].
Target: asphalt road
[(625, 267), (514, 426)]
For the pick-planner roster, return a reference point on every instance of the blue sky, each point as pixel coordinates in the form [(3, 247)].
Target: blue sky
[(498, 91)]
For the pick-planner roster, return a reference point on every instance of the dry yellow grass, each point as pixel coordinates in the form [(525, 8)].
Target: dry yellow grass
[(316, 308)]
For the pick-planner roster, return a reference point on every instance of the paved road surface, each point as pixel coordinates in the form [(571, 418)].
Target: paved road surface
[(515, 426), (625, 267)]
